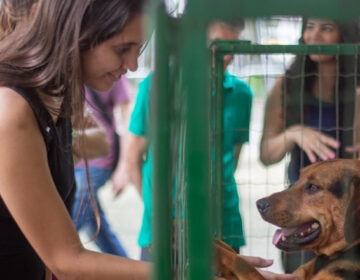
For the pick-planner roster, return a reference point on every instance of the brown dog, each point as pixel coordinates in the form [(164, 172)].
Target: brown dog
[(321, 212)]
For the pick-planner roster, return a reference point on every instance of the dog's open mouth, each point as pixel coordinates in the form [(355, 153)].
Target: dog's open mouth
[(292, 238)]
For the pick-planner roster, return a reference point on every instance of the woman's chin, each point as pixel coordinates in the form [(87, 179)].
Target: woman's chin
[(322, 58), (101, 87)]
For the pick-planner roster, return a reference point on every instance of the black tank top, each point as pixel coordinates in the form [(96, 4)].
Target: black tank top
[(17, 258)]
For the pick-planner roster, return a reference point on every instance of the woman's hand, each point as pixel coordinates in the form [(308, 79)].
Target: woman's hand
[(274, 276), (313, 143), (261, 263), (120, 179)]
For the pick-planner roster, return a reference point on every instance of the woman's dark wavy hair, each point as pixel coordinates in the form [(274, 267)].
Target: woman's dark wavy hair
[(43, 51), (302, 72)]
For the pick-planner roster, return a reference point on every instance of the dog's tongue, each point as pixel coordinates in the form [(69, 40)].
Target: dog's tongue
[(280, 233)]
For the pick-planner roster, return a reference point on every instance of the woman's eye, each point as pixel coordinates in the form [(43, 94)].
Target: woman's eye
[(309, 27), (122, 50), (327, 29)]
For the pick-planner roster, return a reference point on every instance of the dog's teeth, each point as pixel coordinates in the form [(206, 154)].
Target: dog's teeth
[(283, 238), (309, 230), (301, 233), (315, 225)]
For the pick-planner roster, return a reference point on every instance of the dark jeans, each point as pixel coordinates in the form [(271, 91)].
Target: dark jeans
[(106, 239), (146, 254)]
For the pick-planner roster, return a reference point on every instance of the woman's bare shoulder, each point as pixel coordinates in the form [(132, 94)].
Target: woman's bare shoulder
[(14, 109)]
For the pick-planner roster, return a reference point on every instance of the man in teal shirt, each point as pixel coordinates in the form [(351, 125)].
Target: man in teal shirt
[(237, 110)]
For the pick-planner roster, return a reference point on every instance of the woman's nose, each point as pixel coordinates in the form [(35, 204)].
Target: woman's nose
[(316, 37), (131, 62)]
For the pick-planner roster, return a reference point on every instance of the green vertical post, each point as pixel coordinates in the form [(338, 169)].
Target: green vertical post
[(196, 81), (219, 151), (160, 129)]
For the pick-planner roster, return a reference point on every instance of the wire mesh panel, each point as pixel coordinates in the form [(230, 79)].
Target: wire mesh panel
[(333, 116)]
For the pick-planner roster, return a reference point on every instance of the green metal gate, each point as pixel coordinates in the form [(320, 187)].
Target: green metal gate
[(181, 115)]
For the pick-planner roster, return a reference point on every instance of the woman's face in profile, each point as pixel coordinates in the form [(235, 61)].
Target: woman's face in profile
[(104, 64), (319, 32)]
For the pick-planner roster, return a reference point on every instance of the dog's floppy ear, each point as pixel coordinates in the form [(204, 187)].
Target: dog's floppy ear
[(352, 218)]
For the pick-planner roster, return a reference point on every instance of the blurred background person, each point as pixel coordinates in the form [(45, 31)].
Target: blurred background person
[(237, 111), (105, 107)]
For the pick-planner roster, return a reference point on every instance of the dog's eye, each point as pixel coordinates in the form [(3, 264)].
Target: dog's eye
[(311, 188)]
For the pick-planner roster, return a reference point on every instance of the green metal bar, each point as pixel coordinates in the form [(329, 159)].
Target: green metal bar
[(219, 151), (332, 9), (196, 81), (160, 103), (226, 47)]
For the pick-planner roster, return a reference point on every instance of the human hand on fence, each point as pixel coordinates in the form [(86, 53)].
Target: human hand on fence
[(313, 143), (268, 275)]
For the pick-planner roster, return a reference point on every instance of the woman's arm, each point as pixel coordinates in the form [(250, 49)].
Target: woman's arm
[(120, 178), (133, 161), (27, 188), (275, 143)]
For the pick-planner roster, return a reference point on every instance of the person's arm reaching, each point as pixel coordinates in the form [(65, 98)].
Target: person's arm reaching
[(132, 169), (120, 178), (31, 197)]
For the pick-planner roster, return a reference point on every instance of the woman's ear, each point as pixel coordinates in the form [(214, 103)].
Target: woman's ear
[(352, 217)]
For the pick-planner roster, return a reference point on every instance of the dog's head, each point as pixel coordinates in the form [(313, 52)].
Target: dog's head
[(321, 211)]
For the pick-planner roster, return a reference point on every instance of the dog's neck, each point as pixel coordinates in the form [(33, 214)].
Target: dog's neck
[(335, 246)]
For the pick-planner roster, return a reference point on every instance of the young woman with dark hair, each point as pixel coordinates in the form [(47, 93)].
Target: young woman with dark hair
[(44, 63), (310, 111)]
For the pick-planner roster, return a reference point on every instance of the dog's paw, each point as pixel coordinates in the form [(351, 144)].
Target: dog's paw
[(231, 266)]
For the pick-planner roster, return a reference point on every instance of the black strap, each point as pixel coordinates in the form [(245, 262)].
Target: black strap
[(100, 105), (108, 119)]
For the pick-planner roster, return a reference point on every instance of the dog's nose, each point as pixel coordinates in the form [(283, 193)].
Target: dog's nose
[(263, 205)]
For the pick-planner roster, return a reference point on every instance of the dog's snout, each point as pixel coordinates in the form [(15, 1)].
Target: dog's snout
[(263, 205)]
